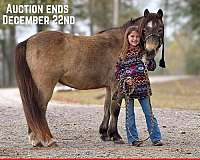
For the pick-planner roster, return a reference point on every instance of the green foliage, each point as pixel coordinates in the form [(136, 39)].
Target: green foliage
[(102, 13), (127, 11), (192, 60), (186, 14), (99, 12), (188, 11), (80, 9), (192, 10)]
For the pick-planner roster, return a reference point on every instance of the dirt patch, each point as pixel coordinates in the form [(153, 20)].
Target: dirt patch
[(76, 129)]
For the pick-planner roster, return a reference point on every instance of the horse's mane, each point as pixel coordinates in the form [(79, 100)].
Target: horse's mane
[(124, 26), (132, 21)]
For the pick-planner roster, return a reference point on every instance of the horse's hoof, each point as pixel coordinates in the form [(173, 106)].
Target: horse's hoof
[(49, 143), (52, 143), (38, 145), (34, 141), (118, 141), (105, 138)]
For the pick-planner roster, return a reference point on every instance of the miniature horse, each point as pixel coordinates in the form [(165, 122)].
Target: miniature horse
[(81, 62)]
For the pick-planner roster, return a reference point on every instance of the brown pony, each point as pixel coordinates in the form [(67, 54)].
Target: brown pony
[(81, 62)]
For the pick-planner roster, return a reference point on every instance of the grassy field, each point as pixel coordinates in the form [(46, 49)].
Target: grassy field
[(180, 94)]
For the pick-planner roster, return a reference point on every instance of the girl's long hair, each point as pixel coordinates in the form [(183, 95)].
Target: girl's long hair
[(126, 42)]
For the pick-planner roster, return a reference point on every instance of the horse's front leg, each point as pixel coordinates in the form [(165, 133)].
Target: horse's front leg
[(103, 129), (112, 130)]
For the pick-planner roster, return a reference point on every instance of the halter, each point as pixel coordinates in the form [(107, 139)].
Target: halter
[(153, 34)]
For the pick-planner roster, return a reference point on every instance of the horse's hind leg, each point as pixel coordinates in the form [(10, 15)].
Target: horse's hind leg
[(36, 80), (104, 124), (38, 142), (43, 137), (33, 139)]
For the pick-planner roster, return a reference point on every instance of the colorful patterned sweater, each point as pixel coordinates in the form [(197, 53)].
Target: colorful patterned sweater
[(133, 67)]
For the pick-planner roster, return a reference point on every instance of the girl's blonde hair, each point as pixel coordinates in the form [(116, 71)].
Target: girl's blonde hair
[(126, 42)]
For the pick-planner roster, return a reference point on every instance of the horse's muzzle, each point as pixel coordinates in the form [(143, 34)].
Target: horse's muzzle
[(152, 42)]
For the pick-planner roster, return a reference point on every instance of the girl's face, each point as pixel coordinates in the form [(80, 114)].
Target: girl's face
[(134, 38)]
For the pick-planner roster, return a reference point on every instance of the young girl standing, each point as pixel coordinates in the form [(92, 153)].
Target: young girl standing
[(131, 72)]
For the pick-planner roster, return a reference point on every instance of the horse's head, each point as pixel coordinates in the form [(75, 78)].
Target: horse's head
[(153, 33), (153, 30)]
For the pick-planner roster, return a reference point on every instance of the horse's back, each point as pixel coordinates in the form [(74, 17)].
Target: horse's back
[(47, 39)]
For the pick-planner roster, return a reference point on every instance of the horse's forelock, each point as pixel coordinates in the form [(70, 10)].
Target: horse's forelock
[(152, 17)]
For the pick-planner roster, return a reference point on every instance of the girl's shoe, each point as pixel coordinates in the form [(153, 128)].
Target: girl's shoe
[(157, 143)]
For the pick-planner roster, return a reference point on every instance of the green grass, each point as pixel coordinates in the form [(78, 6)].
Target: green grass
[(94, 96), (180, 94)]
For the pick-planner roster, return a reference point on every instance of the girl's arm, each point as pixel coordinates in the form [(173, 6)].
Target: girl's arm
[(118, 70)]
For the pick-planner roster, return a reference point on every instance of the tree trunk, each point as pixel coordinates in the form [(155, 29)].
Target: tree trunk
[(90, 7), (62, 27), (5, 60), (11, 55), (3, 49), (115, 12), (72, 29), (41, 27)]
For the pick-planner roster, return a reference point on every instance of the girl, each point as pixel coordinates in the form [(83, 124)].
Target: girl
[(131, 73)]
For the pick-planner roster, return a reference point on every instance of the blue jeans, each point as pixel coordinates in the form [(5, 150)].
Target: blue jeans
[(131, 130)]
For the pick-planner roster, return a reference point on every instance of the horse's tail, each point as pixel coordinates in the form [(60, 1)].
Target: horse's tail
[(31, 98)]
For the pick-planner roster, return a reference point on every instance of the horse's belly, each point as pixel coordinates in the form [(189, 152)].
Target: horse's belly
[(86, 81)]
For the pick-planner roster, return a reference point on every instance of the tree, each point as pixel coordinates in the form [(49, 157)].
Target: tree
[(127, 10), (115, 12), (8, 43), (102, 14), (8, 39), (189, 10), (187, 14)]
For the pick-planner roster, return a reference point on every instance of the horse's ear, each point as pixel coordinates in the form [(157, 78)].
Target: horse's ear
[(146, 12), (160, 13)]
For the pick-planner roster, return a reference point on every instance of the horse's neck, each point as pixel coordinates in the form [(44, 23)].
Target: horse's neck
[(116, 35), (119, 34)]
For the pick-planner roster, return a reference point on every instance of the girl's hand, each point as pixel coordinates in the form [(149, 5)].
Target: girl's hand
[(129, 81)]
